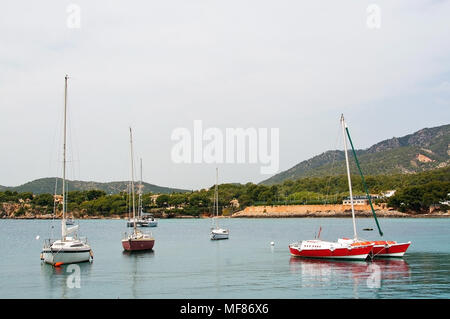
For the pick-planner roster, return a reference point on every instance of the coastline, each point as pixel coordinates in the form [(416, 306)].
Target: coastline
[(323, 214), (276, 211), (320, 211)]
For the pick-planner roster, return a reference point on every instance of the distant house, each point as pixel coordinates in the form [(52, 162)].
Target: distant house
[(446, 202), (359, 200), (389, 193), (234, 203), (153, 198), (58, 198)]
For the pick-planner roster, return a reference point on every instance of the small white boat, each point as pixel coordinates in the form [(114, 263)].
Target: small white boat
[(217, 232), (150, 222), (68, 249), (142, 219)]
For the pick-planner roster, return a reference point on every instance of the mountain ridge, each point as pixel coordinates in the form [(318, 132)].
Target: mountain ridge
[(47, 185), (426, 149)]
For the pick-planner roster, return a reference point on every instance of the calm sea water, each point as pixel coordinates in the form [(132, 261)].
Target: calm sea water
[(185, 263)]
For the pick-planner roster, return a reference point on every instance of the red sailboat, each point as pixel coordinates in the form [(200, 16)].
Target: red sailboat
[(137, 240), (331, 250), (349, 248), (381, 248)]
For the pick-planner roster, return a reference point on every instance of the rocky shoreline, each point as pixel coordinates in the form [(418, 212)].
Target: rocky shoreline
[(302, 211), (281, 211)]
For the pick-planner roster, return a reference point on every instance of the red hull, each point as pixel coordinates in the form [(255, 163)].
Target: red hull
[(389, 250), (341, 253), (138, 244)]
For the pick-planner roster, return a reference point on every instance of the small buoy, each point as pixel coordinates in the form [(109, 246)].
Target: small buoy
[(37, 237), (58, 264), (272, 243)]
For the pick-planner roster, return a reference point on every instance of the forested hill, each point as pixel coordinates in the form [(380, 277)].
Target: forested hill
[(47, 185), (424, 150)]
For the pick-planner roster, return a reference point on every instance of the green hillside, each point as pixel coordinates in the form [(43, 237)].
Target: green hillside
[(424, 150), (47, 186)]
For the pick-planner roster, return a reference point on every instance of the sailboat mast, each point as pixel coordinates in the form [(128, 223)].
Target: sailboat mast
[(216, 195), (348, 176), (140, 193), (63, 221), (132, 180)]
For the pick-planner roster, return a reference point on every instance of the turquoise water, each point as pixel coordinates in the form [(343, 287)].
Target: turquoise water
[(185, 263)]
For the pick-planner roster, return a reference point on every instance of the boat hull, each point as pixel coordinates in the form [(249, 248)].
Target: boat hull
[(150, 223), (353, 253), (389, 250), (65, 257), (138, 244), (218, 234), (143, 223)]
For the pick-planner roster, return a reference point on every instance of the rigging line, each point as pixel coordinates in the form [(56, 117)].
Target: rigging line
[(364, 182)]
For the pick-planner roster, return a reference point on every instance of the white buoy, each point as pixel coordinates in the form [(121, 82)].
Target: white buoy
[(37, 237)]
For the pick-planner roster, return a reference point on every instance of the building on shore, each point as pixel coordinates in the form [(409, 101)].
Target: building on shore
[(360, 200)]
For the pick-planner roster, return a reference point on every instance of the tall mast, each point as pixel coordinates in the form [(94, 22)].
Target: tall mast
[(140, 193), (364, 182), (132, 180), (216, 195), (348, 175), (63, 221)]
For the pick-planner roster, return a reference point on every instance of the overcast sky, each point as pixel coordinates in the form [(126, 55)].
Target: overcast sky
[(160, 65)]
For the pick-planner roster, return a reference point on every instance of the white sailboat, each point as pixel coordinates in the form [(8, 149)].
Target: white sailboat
[(68, 249), (216, 231), (144, 220)]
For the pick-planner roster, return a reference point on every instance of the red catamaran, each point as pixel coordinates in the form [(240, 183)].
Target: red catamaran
[(350, 248)]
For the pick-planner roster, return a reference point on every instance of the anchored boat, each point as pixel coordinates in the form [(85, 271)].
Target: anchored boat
[(332, 250), (68, 249), (349, 248), (216, 231), (137, 240), (143, 219), (381, 248)]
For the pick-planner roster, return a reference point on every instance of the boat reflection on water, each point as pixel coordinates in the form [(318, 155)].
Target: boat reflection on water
[(61, 280), (370, 273), (138, 253), (139, 270)]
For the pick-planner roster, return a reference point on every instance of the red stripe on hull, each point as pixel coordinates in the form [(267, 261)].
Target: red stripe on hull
[(132, 245), (357, 252), (395, 250)]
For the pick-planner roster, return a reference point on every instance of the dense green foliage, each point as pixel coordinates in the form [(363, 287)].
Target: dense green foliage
[(420, 198), (415, 192)]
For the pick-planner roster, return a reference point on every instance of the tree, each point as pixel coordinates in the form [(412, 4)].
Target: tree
[(162, 200)]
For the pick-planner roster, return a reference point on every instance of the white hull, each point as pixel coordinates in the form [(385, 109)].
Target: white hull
[(392, 255), (142, 223), (67, 251), (217, 234), (149, 223), (65, 257)]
